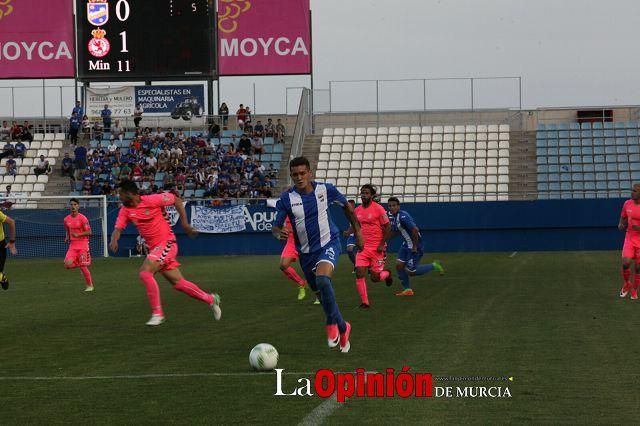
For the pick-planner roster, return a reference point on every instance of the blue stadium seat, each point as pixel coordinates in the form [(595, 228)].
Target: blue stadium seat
[(634, 167), (621, 133), (199, 193), (588, 159), (129, 135), (588, 167), (609, 141), (633, 149), (554, 177), (608, 125), (552, 126), (577, 177), (554, 196), (563, 142), (598, 159), (93, 144), (74, 193), (632, 132), (619, 125), (597, 125), (577, 195), (552, 151), (552, 134), (576, 159), (541, 143), (609, 133), (635, 176), (554, 168), (621, 140), (610, 158), (575, 142), (634, 158), (598, 133), (554, 186), (613, 185), (188, 193), (578, 186), (574, 134), (563, 134), (541, 159), (589, 185), (276, 157), (565, 177), (612, 175), (279, 148), (576, 150), (601, 184), (541, 126), (587, 150), (563, 151), (621, 149), (541, 152), (552, 143), (565, 186), (564, 159), (543, 187), (265, 157), (543, 169), (588, 176), (574, 126), (610, 150), (626, 176), (543, 196), (268, 141), (585, 125), (586, 134), (576, 168)]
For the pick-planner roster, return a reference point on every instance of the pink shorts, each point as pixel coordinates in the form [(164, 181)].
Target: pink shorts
[(631, 250), (370, 258), (166, 254), (290, 250), (79, 255)]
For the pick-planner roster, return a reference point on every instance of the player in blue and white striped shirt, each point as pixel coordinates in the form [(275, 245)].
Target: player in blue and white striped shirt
[(410, 253), (317, 239)]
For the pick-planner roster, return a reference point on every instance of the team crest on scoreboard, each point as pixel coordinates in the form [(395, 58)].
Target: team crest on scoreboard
[(97, 12), (99, 46)]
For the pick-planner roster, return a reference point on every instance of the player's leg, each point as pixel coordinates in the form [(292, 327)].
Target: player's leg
[(83, 262), (351, 252), (628, 253), (146, 274), (376, 268), (404, 254), (175, 278), (289, 255), (324, 270), (4, 281), (362, 264)]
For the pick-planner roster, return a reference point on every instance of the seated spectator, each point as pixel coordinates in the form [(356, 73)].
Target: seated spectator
[(170, 134), (112, 148), (11, 166), (26, 132), (258, 130), (117, 131), (8, 149), (20, 149), (271, 171), (249, 118), (5, 131), (245, 145), (152, 162), (86, 125), (280, 132), (257, 146), (125, 171), (269, 129), (255, 187), (16, 131), (42, 167), (137, 172), (67, 166), (97, 131), (248, 129), (214, 130)]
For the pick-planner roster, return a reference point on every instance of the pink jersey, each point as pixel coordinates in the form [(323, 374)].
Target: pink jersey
[(289, 228), (150, 217), (371, 220), (631, 211), (77, 225)]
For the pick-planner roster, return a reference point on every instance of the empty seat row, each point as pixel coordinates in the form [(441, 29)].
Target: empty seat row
[(469, 137), (413, 146), (594, 125), (406, 130), (49, 136)]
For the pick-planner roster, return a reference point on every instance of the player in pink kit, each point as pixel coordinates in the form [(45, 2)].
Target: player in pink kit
[(149, 215), (77, 234), (630, 220), (376, 230), (288, 256)]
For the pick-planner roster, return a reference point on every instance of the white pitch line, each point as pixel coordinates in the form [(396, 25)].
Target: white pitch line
[(513, 254), (145, 376), (319, 414)]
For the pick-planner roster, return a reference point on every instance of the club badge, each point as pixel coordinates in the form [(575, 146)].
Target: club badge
[(99, 46), (97, 12)]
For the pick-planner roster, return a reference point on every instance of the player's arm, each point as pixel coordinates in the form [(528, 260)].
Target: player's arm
[(349, 213), (11, 224), (86, 232), (67, 237), (188, 229), (415, 238), (624, 220), (348, 231), (278, 230), (387, 234)]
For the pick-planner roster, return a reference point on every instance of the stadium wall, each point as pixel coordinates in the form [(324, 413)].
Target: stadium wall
[(542, 225)]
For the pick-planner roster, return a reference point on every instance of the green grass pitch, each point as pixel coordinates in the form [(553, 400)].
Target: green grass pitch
[(552, 321)]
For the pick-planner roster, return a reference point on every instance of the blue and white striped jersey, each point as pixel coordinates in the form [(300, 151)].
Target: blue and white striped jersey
[(313, 227), (403, 223)]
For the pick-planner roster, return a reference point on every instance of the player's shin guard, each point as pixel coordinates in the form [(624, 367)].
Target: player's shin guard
[(153, 292), (293, 276), (87, 276), (404, 278), (329, 304), (361, 285), (421, 270), (194, 291)]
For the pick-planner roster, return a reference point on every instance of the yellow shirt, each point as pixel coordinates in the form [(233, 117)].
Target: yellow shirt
[(3, 218)]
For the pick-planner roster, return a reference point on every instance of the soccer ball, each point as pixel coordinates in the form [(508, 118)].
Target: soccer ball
[(263, 357)]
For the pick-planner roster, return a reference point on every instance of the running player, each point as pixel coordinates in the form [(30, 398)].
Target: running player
[(317, 240), (410, 253), (77, 233), (11, 245), (630, 220), (148, 213), (376, 230), (288, 256)]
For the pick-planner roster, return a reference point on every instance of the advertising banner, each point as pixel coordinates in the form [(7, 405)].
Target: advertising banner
[(217, 220), (180, 101), (260, 37), (121, 101), (36, 39)]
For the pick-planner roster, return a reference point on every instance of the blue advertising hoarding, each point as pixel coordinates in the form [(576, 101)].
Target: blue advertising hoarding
[(179, 101)]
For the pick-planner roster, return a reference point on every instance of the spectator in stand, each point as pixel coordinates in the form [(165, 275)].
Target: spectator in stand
[(5, 131), (74, 127), (20, 149), (80, 157), (86, 125), (257, 146), (259, 168), (26, 132), (245, 145), (271, 171), (255, 187), (77, 109), (248, 120), (152, 163), (137, 173), (270, 129), (280, 132), (7, 150), (125, 172), (97, 131), (241, 116), (214, 130), (223, 113), (112, 148), (248, 129), (118, 131), (16, 131), (163, 162), (258, 130), (67, 166), (11, 166), (42, 167), (137, 115), (106, 118)]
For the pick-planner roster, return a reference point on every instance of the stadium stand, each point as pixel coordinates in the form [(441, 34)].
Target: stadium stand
[(419, 163), (587, 160)]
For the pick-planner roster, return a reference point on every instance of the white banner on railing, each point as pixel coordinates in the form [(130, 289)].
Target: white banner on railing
[(120, 100), (218, 220)]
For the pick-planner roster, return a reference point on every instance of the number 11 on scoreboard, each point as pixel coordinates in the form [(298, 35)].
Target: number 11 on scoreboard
[(126, 66)]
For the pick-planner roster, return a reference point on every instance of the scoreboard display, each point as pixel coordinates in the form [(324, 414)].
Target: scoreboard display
[(144, 39)]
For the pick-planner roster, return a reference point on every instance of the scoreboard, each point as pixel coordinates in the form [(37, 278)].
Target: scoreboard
[(144, 39)]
